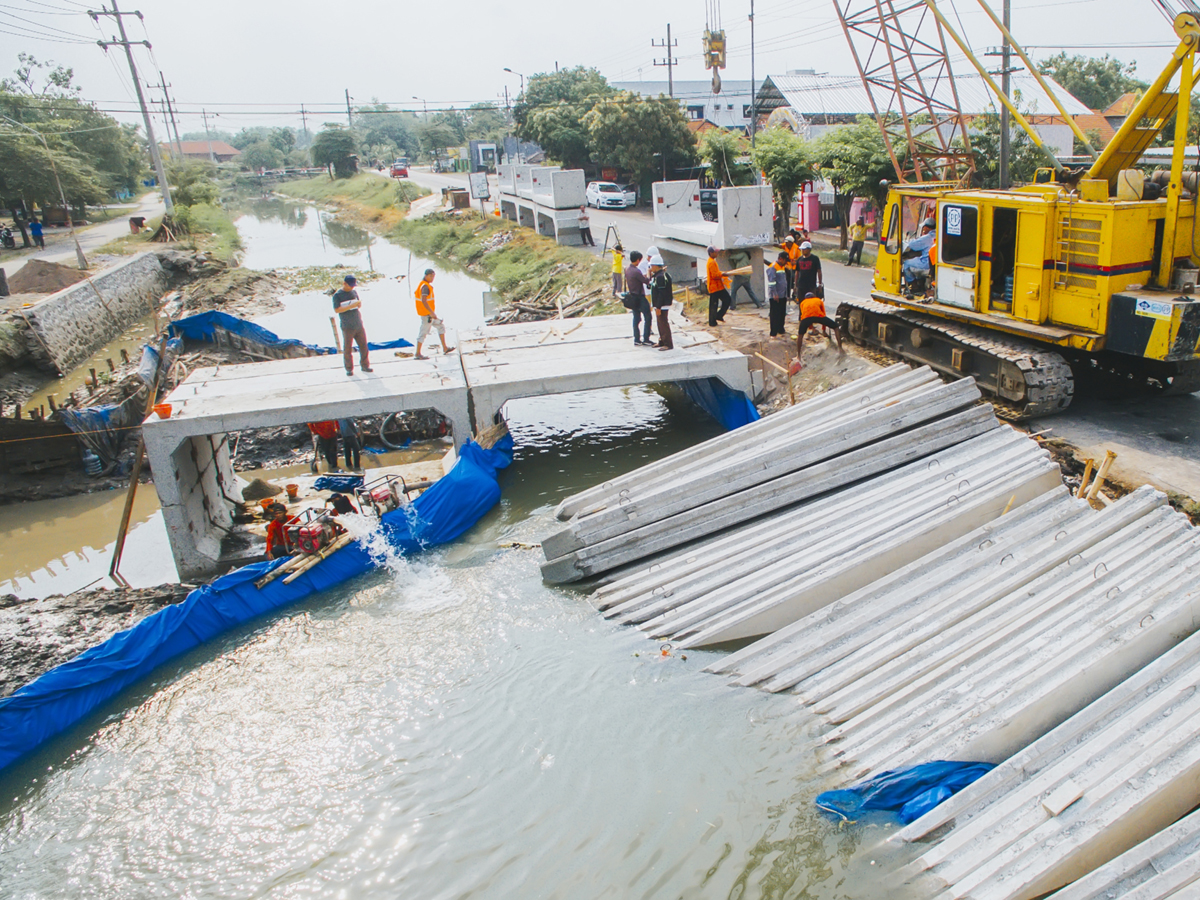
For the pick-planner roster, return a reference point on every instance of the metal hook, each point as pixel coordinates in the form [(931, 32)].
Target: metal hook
[(1071, 559), (1061, 534), (987, 542), (934, 462), (1115, 589), (1096, 571), (964, 481), (1005, 558)]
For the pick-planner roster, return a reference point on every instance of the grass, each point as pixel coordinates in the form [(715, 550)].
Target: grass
[(517, 269), (210, 230), (367, 199)]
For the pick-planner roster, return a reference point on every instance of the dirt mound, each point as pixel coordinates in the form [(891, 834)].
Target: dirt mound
[(237, 291), (40, 277), (260, 490)]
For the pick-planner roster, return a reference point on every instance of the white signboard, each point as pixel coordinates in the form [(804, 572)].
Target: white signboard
[(1155, 308), (954, 221), (479, 186)]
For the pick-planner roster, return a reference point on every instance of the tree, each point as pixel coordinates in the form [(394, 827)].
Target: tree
[(484, 122), (283, 140), (552, 110), (378, 125), (854, 159), (193, 181), (638, 135), (1094, 82), (1024, 158), (27, 176), (335, 148), (260, 155), (56, 83), (437, 136), (786, 160), (724, 151)]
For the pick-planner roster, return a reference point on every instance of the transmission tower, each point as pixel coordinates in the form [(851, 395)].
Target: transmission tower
[(900, 51)]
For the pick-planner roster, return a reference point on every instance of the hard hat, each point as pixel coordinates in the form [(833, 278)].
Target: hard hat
[(657, 260), (789, 240), (806, 246), (928, 223)]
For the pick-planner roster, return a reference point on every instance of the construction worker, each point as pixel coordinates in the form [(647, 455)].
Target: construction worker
[(792, 248), (277, 537), (808, 272), (346, 304), (777, 293), (428, 313), (812, 312), (858, 236), (618, 270), (916, 252), (718, 290)]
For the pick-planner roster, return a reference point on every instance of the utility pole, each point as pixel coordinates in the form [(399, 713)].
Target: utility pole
[(211, 157), (170, 112), (304, 119), (155, 156), (1006, 87), (754, 88), (349, 117), (670, 61)]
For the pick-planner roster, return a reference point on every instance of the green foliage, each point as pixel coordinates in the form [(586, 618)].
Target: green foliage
[(193, 181), (389, 133), (722, 150), (552, 109), (1024, 158), (364, 191), (641, 136), (260, 155), (210, 228), (95, 154), (787, 161), (435, 137), (1094, 82), (408, 191), (857, 158), (334, 147)]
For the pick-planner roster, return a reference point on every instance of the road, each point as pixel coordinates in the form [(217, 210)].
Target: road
[(61, 249)]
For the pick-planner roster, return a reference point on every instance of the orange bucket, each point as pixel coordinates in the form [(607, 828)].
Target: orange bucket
[(267, 503), (163, 410), (292, 490)]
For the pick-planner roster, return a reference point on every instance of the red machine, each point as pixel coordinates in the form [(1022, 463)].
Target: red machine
[(312, 531), (383, 494)]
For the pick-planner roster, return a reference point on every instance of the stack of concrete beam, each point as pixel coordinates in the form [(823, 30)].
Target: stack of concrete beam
[(764, 576), (870, 426), (977, 649), (1101, 784)]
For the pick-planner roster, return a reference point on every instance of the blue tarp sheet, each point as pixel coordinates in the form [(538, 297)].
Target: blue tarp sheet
[(342, 483), (63, 696), (910, 792), (201, 327), (731, 408)]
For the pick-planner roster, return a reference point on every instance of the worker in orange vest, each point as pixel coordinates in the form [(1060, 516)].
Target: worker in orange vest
[(428, 313)]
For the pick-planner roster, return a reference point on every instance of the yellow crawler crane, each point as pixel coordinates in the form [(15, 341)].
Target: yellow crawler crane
[(1081, 269)]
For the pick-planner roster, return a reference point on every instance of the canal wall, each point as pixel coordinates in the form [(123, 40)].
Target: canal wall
[(63, 330)]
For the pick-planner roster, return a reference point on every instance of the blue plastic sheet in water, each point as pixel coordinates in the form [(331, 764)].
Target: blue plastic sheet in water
[(67, 693), (731, 408), (910, 792), (202, 326)]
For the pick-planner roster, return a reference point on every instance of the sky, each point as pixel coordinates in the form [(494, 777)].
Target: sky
[(254, 62)]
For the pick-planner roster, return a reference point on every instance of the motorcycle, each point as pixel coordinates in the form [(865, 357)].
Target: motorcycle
[(7, 239)]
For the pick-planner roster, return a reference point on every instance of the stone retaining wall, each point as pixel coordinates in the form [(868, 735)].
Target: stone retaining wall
[(63, 330)]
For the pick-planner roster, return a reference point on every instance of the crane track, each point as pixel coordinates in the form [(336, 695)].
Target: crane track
[(1049, 385)]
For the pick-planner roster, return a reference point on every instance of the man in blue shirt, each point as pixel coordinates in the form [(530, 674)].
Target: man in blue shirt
[(918, 265), (35, 232)]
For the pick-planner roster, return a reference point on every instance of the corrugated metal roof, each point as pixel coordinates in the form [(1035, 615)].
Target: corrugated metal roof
[(685, 90), (819, 95)]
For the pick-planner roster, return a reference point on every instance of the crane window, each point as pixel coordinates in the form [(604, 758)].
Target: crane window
[(959, 235), (891, 241)]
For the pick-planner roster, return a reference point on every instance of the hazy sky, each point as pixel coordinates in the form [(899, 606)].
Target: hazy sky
[(255, 61)]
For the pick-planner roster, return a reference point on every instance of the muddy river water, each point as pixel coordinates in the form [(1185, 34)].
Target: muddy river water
[(446, 727)]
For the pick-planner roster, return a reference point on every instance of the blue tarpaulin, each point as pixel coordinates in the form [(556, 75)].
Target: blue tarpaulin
[(202, 326), (342, 483), (63, 696), (731, 408), (910, 792)]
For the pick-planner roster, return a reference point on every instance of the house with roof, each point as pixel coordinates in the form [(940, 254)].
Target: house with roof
[(817, 102), (221, 151), (729, 109)]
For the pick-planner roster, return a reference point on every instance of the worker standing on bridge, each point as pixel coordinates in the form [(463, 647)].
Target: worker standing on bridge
[(808, 273), (635, 287), (777, 293), (428, 313), (792, 248), (662, 295), (618, 270), (346, 304)]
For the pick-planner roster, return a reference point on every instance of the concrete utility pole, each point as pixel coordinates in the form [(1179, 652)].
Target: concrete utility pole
[(211, 157), (753, 88), (1006, 87), (304, 119), (349, 116), (669, 62), (155, 156), (162, 83)]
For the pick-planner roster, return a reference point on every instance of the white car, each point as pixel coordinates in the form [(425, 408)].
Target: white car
[(607, 195)]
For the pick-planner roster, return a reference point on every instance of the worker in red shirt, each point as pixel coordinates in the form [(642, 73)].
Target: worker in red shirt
[(327, 442), (277, 538)]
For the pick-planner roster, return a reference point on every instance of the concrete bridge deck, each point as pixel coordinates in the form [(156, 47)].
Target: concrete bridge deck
[(189, 452)]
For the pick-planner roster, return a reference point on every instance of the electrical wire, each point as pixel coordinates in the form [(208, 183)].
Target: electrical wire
[(57, 31)]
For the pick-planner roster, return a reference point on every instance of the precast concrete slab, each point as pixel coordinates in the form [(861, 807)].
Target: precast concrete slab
[(1103, 783), (1159, 867), (531, 359)]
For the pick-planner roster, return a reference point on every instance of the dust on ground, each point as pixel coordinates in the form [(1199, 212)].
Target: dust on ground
[(37, 635), (39, 276)]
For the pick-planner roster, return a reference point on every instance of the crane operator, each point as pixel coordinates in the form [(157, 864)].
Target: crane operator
[(916, 252)]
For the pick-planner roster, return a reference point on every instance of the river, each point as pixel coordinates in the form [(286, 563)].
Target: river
[(447, 727)]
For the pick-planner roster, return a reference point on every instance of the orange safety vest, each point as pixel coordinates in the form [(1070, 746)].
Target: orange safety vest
[(793, 252), (424, 306)]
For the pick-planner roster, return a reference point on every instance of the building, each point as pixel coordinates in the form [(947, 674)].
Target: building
[(728, 109), (820, 102), (221, 151)]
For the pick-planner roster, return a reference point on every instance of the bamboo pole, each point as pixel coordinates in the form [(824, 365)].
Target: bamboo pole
[(1087, 473), (1101, 474), (315, 558), (337, 338)]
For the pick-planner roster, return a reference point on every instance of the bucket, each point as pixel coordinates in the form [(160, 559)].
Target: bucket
[(1130, 184), (91, 463), (163, 410), (266, 503), (292, 490)]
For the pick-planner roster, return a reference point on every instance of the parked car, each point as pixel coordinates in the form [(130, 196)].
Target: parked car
[(607, 195), (400, 168), (708, 204)]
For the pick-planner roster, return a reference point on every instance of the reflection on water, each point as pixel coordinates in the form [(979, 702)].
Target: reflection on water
[(448, 727), (281, 234)]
